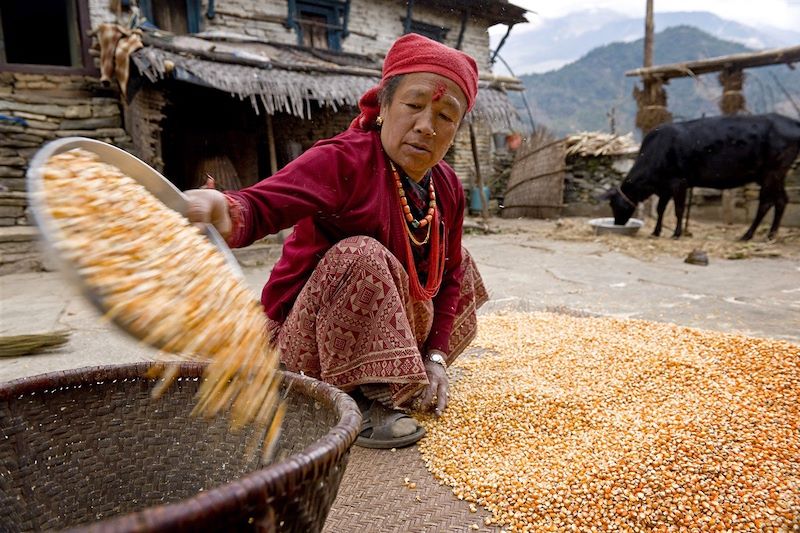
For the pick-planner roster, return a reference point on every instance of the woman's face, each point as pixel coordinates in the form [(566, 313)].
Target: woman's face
[(421, 121)]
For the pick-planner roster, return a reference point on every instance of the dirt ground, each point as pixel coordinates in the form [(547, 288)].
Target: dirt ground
[(719, 241)]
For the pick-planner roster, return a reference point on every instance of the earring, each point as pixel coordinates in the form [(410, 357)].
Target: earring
[(379, 121), (434, 134)]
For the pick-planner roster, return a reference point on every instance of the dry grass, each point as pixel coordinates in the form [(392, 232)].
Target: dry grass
[(720, 241), (589, 424), (31, 343)]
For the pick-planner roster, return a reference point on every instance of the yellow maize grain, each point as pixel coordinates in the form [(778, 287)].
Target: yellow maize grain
[(565, 423), (166, 283)]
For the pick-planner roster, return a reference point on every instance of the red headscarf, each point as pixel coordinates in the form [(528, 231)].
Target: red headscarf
[(415, 53)]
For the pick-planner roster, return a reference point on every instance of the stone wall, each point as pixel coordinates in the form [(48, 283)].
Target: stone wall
[(372, 25), (36, 117), (707, 203), (143, 121), (461, 159), (264, 20), (39, 108), (100, 12), (587, 178)]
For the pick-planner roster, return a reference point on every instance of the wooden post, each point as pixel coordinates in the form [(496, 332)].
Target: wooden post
[(727, 206), (648, 35), (478, 177), (642, 120), (731, 103), (273, 158), (651, 99)]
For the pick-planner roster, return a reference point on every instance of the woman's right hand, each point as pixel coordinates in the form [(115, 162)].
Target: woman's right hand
[(209, 206)]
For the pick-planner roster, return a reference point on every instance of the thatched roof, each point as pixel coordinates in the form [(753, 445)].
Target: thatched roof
[(287, 79), (276, 89), (496, 12), (595, 143)]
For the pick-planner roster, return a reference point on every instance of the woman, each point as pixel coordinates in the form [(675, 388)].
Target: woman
[(373, 292)]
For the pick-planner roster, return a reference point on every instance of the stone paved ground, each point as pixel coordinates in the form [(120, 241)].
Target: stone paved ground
[(523, 269), (527, 266)]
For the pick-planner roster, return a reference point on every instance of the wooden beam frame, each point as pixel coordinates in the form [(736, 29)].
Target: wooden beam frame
[(776, 56)]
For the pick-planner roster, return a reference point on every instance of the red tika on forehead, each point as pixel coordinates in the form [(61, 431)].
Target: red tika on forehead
[(439, 91)]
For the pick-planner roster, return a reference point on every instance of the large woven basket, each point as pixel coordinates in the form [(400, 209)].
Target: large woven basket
[(91, 450)]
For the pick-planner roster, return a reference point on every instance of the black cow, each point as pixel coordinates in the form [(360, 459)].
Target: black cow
[(715, 152)]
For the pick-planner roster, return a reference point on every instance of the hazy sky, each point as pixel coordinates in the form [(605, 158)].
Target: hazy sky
[(779, 13)]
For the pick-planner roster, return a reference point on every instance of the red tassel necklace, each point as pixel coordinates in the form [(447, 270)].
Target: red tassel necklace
[(435, 255)]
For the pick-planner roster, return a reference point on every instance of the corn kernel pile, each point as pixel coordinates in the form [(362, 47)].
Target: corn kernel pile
[(590, 424), (166, 283)]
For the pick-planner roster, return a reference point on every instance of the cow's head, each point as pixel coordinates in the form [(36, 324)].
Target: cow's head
[(621, 205)]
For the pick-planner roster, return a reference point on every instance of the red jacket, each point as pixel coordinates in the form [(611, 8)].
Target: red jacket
[(339, 188)]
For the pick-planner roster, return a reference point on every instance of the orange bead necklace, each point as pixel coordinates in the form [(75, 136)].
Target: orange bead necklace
[(435, 255), (414, 223)]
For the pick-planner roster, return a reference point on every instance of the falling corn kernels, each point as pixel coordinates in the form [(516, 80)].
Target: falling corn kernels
[(166, 283), (568, 423)]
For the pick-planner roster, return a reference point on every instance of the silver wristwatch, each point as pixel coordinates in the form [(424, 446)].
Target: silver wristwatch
[(437, 358)]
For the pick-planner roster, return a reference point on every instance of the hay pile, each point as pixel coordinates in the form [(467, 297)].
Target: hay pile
[(595, 143), (719, 241)]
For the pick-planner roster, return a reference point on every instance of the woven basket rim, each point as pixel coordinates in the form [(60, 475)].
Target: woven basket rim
[(247, 491)]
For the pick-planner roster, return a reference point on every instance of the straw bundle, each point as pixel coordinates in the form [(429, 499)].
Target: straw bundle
[(733, 99), (31, 343), (651, 105)]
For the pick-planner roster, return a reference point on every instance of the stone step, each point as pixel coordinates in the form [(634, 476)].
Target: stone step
[(20, 250), (18, 234), (17, 263)]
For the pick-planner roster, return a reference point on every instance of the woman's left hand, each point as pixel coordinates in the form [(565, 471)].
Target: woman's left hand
[(435, 394)]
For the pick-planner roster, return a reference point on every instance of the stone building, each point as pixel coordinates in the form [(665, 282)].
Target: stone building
[(233, 87)]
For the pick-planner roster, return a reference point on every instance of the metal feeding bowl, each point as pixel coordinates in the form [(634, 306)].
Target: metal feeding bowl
[(90, 450), (604, 226)]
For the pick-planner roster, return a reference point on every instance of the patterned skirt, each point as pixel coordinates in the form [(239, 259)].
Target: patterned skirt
[(355, 323)]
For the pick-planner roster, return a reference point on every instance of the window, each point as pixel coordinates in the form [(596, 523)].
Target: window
[(176, 16), (45, 36), (319, 23), (431, 31)]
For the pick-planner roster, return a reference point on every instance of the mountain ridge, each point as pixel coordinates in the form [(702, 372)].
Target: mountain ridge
[(584, 93), (556, 42)]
